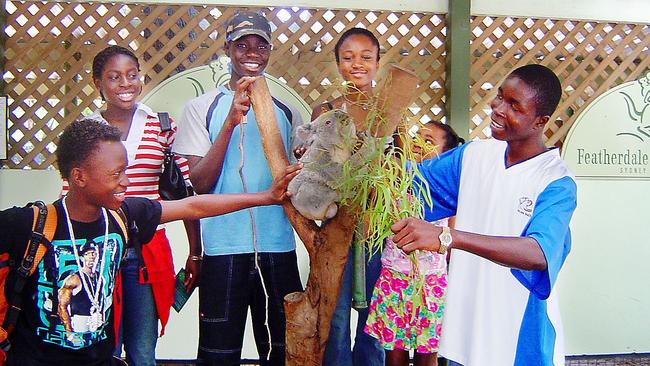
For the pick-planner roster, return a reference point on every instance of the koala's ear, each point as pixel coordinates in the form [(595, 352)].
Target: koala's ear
[(342, 115), (353, 129)]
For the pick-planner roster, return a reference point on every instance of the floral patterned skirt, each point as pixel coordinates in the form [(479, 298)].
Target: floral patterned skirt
[(401, 317)]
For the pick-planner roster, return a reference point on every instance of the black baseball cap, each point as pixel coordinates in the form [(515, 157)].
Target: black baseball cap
[(245, 23)]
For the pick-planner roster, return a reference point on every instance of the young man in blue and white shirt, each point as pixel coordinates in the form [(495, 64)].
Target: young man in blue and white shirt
[(513, 199)]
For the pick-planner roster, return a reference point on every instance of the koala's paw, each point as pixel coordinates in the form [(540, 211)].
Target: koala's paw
[(331, 211)]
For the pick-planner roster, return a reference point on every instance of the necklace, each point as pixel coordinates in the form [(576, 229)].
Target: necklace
[(93, 291)]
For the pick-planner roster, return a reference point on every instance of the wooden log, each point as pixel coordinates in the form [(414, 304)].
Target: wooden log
[(395, 93), (275, 153), (272, 143), (309, 313)]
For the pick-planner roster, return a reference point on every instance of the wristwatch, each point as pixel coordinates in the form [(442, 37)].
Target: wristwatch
[(445, 240)]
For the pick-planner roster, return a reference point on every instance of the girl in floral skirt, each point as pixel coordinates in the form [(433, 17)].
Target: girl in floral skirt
[(403, 316)]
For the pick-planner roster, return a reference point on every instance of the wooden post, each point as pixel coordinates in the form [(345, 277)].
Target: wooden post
[(457, 67), (309, 313)]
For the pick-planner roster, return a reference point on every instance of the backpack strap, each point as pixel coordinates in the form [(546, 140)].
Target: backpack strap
[(120, 218), (43, 229), (41, 235)]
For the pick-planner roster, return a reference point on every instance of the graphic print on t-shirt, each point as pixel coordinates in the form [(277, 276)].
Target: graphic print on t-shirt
[(85, 276)]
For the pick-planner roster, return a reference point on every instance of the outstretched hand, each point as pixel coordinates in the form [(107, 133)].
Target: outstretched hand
[(412, 234), (278, 191)]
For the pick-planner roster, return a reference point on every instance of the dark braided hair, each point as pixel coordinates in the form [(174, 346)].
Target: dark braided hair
[(79, 140), (452, 139), (352, 32), (104, 55)]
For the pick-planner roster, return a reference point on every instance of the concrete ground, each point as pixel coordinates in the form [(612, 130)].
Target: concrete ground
[(620, 360)]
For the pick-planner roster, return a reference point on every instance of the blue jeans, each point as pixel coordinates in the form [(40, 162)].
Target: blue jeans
[(139, 325), (453, 363), (230, 284), (367, 351)]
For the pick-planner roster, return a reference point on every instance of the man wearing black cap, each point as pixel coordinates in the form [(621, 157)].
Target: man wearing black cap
[(249, 256)]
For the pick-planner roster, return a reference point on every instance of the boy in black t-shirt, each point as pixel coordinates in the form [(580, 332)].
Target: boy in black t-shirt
[(80, 267)]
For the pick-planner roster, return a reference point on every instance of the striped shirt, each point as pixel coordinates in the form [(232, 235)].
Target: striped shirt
[(145, 145)]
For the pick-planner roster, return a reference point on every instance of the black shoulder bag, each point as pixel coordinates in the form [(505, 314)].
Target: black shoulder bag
[(171, 185)]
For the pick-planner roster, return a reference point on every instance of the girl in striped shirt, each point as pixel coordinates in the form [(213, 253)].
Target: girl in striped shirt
[(147, 295)]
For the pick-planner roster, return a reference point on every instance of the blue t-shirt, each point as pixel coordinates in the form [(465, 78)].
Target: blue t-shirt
[(233, 233)]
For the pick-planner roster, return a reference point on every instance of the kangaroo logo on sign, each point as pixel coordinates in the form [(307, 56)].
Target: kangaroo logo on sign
[(639, 115), (610, 138)]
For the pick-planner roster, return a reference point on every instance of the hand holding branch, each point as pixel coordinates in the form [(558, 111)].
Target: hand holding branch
[(412, 234), (241, 101)]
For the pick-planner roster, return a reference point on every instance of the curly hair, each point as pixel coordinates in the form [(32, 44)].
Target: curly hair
[(352, 32), (80, 140), (100, 60)]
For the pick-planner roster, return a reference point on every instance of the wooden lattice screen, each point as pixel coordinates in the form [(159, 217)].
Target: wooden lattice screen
[(588, 57), (50, 48)]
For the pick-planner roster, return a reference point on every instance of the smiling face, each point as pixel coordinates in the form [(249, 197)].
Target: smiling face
[(358, 61), (514, 113), (119, 82), (102, 177), (249, 56)]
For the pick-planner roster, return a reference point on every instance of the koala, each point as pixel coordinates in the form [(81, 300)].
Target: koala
[(329, 140)]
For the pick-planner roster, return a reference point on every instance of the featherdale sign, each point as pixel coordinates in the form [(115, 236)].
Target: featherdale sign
[(611, 137)]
